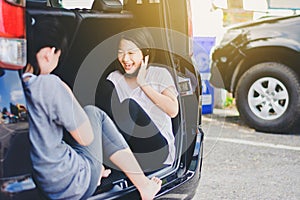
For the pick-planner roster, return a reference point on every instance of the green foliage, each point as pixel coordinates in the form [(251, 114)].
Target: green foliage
[(228, 102)]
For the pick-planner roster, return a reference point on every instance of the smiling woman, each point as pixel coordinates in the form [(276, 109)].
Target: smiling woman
[(150, 95)]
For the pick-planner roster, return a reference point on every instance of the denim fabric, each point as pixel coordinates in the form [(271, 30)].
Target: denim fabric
[(111, 142)]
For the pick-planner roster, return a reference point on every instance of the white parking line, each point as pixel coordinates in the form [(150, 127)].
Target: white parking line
[(261, 144)]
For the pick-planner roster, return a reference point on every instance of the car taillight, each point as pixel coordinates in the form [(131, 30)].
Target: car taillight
[(190, 27), (12, 34)]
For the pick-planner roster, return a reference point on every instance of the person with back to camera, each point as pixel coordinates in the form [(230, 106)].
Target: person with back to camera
[(70, 169), (149, 94)]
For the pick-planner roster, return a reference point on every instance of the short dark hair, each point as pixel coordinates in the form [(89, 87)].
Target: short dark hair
[(142, 38), (44, 31)]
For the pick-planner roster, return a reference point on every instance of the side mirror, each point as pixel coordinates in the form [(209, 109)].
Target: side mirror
[(107, 5)]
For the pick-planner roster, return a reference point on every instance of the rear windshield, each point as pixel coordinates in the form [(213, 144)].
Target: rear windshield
[(71, 4)]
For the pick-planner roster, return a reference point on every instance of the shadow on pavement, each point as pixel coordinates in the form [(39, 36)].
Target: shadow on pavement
[(228, 115)]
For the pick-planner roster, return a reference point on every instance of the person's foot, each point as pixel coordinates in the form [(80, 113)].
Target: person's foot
[(104, 174), (149, 191)]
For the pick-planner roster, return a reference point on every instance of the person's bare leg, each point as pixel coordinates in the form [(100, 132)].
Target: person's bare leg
[(126, 161)]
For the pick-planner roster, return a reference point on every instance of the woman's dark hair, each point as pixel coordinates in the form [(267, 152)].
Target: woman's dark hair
[(44, 32), (142, 38)]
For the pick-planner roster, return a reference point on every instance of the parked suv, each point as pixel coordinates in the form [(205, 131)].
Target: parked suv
[(93, 34), (259, 63)]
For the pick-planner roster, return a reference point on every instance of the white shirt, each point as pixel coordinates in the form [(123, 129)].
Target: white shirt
[(159, 79)]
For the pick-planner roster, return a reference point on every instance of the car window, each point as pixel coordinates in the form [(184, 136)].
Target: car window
[(69, 4), (72, 4), (12, 101)]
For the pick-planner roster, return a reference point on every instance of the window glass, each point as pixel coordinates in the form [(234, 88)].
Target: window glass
[(12, 101), (70, 4)]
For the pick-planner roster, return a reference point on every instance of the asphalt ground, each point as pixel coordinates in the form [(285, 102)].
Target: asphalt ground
[(240, 163)]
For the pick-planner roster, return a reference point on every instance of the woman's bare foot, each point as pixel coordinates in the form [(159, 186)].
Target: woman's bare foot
[(104, 174), (150, 189)]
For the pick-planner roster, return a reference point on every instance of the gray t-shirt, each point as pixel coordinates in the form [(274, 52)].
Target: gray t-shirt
[(60, 171)]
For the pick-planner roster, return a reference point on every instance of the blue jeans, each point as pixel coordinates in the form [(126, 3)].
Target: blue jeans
[(107, 141)]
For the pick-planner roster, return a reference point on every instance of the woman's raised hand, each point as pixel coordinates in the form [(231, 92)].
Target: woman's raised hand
[(141, 77)]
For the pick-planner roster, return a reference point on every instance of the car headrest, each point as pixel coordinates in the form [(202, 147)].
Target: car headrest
[(107, 5)]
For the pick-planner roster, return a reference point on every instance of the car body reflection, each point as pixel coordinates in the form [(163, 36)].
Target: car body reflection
[(13, 125), (12, 101)]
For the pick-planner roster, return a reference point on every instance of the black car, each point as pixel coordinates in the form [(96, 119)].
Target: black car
[(258, 62), (93, 30)]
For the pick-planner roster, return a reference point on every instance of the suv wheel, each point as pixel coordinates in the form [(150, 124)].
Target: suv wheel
[(267, 97)]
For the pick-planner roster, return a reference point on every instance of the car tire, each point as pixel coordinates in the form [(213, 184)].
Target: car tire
[(267, 97)]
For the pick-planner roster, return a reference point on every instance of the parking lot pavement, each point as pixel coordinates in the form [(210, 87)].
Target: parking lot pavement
[(240, 163)]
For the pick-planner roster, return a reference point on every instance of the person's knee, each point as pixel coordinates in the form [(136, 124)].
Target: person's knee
[(90, 109), (94, 111)]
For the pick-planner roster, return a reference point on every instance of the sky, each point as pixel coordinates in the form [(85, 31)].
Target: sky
[(10, 89), (208, 21)]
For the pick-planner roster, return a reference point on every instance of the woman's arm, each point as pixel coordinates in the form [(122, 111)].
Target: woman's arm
[(167, 100)]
